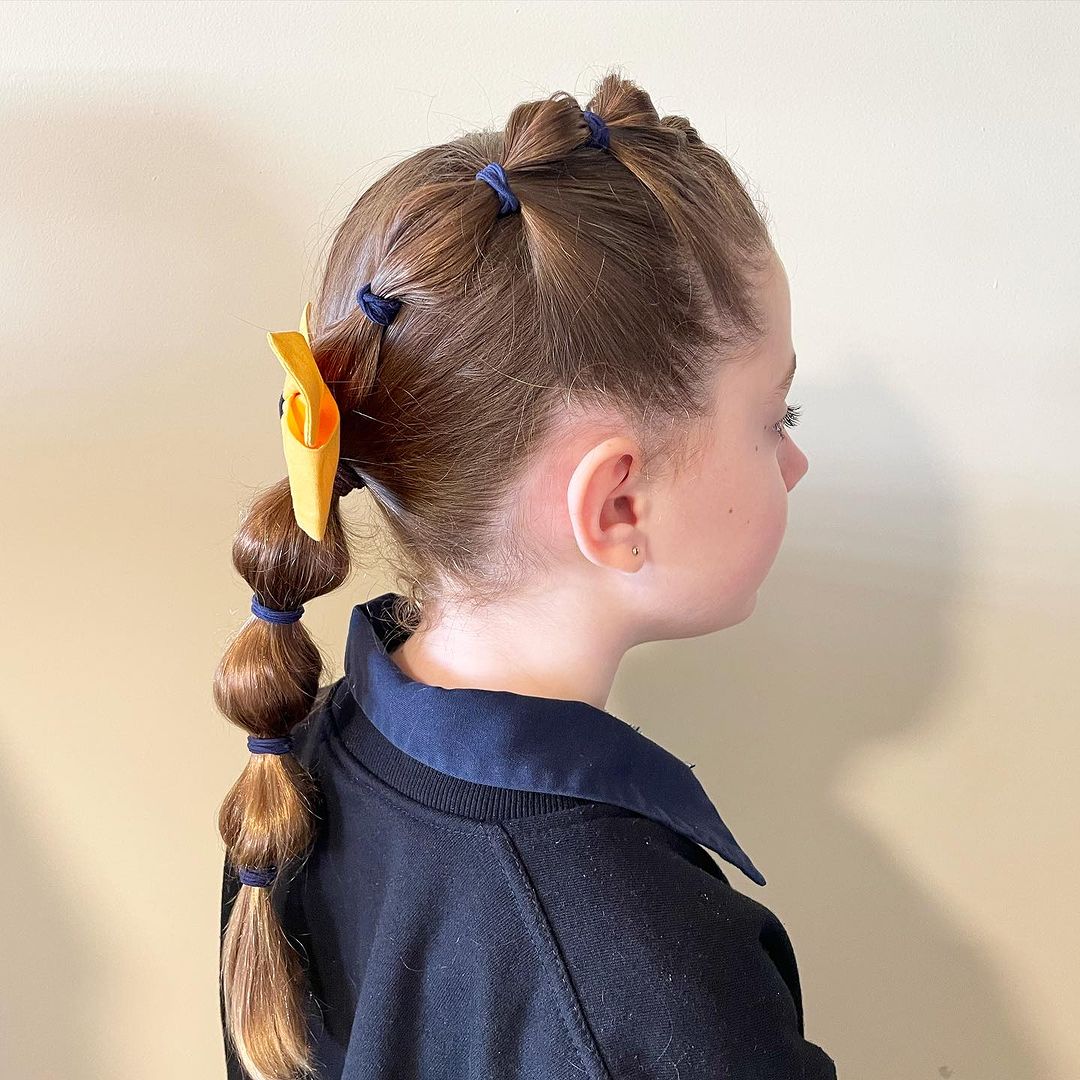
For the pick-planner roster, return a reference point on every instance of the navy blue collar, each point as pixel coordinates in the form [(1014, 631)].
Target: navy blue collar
[(526, 743)]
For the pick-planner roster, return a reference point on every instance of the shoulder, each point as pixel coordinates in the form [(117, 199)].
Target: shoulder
[(308, 734), (676, 970)]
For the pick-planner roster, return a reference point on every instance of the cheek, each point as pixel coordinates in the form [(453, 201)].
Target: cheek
[(717, 534), (743, 512), (745, 488)]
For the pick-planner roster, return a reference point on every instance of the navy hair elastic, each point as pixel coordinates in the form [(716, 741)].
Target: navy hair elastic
[(601, 136), (270, 615), (347, 479), (260, 877), (280, 745), (379, 309), (494, 175)]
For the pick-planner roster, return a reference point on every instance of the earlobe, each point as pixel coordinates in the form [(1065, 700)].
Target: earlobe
[(606, 505)]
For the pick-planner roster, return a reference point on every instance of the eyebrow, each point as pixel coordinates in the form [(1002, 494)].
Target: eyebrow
[(785, 385)]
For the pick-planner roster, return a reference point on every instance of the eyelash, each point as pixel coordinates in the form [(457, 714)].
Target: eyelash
[(790, 419)]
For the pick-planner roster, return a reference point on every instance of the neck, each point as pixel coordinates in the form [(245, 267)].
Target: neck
[(558, 644)]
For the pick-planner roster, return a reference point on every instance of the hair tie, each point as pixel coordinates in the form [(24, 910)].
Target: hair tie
[(379, 309), (600, 135), (259, 877), (347, 479), (282, 744), (494, 175), (271, 615)]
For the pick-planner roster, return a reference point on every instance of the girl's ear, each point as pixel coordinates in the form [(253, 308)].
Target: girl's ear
[(607, 505)]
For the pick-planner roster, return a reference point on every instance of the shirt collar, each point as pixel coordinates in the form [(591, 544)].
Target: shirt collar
[(527, 743)]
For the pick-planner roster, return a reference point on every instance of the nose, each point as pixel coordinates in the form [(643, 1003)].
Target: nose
[(795, 464)]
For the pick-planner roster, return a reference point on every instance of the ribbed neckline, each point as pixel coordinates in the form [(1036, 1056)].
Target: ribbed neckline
[(425, 785)]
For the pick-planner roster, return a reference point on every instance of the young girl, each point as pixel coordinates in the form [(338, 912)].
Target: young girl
[(557, 358)]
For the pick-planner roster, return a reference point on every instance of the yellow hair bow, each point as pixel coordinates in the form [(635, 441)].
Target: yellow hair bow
[(310, 429)]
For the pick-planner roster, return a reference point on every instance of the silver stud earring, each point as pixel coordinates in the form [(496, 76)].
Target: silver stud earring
[(635, 549)]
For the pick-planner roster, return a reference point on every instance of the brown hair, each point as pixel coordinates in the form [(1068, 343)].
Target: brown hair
[(625, 277)]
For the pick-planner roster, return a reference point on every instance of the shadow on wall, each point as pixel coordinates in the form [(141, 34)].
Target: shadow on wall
[(846, 648), (49, 966), (861, 654), (146, 236)]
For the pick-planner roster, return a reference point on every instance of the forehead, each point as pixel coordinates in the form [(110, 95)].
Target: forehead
[(775, 297), (768, 361)]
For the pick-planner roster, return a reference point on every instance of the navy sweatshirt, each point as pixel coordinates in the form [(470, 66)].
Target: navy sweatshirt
[(506, 887)]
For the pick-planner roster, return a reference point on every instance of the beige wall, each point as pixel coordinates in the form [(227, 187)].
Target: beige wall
[(893, 735)]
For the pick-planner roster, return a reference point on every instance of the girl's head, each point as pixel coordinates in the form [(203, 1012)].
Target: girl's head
[(581, 396)]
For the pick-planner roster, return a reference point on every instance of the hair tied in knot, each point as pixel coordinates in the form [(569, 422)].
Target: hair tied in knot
[(600, 136), (259, 877), (494, 176), (379, 309), (272, 615), (280, 745)]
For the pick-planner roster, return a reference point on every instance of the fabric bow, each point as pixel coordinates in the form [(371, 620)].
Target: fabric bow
[(310, 428)]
